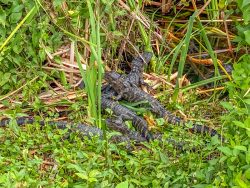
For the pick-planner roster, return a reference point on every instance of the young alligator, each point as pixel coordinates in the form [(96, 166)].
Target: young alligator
[(125, 114), (118, 125), (83, 129), (132, 93), (137, 68), (135, 76)]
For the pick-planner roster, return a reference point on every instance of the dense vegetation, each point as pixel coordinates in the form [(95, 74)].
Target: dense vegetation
[(200, 71)]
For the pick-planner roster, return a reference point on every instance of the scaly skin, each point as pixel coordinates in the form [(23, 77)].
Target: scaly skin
[(134, 94), (89, 131), (84, 130), (118, 124), (139, 123), (135, 77), (126, 114)]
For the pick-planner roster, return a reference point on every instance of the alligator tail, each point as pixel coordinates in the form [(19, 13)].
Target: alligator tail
[(84, 129), (117, 124), (203, 129), (196, 128), (141, 126)]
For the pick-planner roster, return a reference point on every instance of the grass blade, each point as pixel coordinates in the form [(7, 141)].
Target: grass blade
[(30, 14), (184, 53)]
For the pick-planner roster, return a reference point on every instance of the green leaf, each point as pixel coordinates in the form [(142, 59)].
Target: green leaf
[(15, 17), (239, 181), (227, 105), (247, 36), (2, 17), (92, 179), (248, 157), (245, 3), (246, 14), (35, 38), (5, 79), (225, 150), (75, 167), (222, 4), (240, 124), (241, 148), (2, 34), (215, 140), (82, 176), (122, 185), (164, 158), (17, 8), (160, 121), (247, 101), (94, 173), (17, 48), (247, 174), (57, 3), (240, 2)]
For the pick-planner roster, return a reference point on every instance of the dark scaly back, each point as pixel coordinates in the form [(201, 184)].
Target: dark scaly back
[(115, 80), (135, 77), (124, 113), (138, 63), (141, 125), (111, 76), (134, 94), (118, 124), (85, 130)]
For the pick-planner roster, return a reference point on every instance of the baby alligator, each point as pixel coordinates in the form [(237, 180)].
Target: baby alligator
[(125, 114), (137, 68), (122, 114), (132, 93), (83, 129), (116, 124), (135, 76)]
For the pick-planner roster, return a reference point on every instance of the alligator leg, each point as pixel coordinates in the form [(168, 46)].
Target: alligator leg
[(141, 125), (118, 124)]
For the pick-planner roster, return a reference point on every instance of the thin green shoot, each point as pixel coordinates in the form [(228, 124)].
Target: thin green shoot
[(209, 48), (203, 82), (31, 13), (183, 56)]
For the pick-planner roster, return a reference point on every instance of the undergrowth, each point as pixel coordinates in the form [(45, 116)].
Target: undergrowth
[(193, 45)]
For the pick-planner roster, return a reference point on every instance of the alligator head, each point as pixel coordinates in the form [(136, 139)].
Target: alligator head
[(111, 76), (144, 58), (115, 80)]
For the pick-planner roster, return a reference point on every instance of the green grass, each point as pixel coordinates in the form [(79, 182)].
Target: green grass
[(42, 157)]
